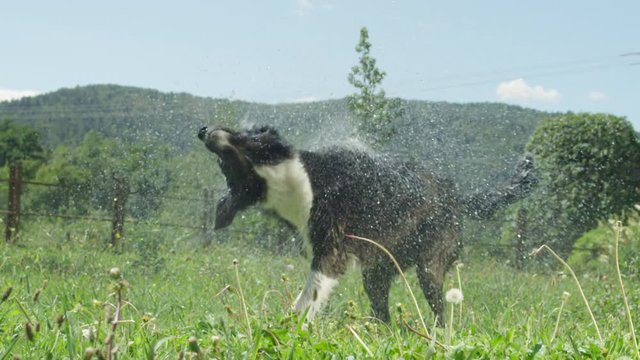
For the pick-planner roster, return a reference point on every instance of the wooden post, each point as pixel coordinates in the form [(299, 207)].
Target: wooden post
[(13, 214), (120, 195), (521, 237), (207, 216)]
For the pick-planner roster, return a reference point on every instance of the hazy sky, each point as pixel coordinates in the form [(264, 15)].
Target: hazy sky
[(551, 55)]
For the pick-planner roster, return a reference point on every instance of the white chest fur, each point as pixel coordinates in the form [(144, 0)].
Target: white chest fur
[(288, 191)]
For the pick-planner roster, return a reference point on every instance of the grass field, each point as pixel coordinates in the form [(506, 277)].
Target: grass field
[(61, 296)]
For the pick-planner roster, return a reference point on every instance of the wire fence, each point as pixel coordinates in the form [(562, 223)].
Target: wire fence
[(118, 218)]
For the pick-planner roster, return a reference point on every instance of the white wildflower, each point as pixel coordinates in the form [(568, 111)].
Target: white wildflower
[(89, 333), (454, 296), (289, 267)]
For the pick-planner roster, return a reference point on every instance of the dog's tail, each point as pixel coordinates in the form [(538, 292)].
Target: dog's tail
[(483, 205)]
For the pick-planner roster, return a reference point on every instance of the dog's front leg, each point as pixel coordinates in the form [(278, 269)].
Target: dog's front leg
[(315, 293), (328, 263)]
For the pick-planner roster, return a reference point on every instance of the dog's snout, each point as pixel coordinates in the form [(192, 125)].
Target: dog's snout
[(202, 133)]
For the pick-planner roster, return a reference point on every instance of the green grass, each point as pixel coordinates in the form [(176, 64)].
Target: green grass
[(182, 301)]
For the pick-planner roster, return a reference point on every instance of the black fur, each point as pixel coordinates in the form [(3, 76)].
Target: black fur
[(416, 215), (245, 187)]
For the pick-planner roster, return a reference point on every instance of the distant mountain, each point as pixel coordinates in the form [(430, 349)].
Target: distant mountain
[(478, 144)]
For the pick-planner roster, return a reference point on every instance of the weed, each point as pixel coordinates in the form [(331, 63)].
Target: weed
[(575, 278)]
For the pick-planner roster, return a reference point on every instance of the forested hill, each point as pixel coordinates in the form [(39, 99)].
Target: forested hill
[(475, 143)]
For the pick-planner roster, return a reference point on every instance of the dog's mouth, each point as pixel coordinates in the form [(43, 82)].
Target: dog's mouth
[(217, 140)]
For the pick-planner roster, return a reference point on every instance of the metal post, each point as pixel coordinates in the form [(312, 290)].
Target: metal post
[(521, 237), (207, 216), (120, 195), (13, 214)]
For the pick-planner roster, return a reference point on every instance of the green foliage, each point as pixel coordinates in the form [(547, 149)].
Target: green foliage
[(375, 113), (131, 114), (86, 174), (589, 167), (19, 143), (595, 250), (477, 144), (188, 306)]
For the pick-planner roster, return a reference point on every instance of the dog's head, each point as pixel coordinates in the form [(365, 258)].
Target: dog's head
[(238, 152)]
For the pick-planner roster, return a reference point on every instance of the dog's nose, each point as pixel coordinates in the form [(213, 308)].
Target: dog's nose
[(202, 133)]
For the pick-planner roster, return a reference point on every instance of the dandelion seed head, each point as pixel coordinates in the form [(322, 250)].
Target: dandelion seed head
[(454, 296), (89, 333), (115, 273), (289, 267)]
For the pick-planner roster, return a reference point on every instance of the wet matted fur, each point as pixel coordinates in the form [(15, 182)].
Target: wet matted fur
[(326, 195)]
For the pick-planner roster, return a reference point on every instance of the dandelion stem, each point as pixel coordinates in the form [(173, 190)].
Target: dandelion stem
[(428, 337), (244, 305), (624, 294), (450, 333), (115, 322), (355, 334), (263, 305), (404, 279), (555, 330), (575, 278), (23, 310), (458, 265)]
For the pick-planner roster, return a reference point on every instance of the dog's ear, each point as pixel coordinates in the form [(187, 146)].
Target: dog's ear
[(226, 210), (265, 146)]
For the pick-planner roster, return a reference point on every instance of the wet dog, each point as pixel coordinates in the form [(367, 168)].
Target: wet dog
[(328, 195)]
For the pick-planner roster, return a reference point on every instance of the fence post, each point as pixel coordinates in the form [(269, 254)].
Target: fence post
[(207, 216), (120, 195), (521, 237), (13, 215)]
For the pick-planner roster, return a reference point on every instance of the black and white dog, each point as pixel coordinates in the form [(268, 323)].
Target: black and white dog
[(327, 195)]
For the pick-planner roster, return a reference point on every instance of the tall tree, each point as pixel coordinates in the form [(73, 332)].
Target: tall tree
[(589, 167), (373, 110)]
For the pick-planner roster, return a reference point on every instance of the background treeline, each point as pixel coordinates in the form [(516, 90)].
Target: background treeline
[(94, 133), (475, 143)]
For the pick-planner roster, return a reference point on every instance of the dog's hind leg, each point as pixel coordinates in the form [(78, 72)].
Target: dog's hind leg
[(432, 266), (431, 280), (377, 281)]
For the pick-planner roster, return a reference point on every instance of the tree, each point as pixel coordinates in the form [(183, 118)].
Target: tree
[(372, 109), (87, 173), (589, 169), (19, 143)]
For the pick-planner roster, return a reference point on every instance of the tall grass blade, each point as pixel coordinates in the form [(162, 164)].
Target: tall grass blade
[(624, 293)]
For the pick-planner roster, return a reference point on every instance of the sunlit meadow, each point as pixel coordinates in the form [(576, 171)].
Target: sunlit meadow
[(72, 298)]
